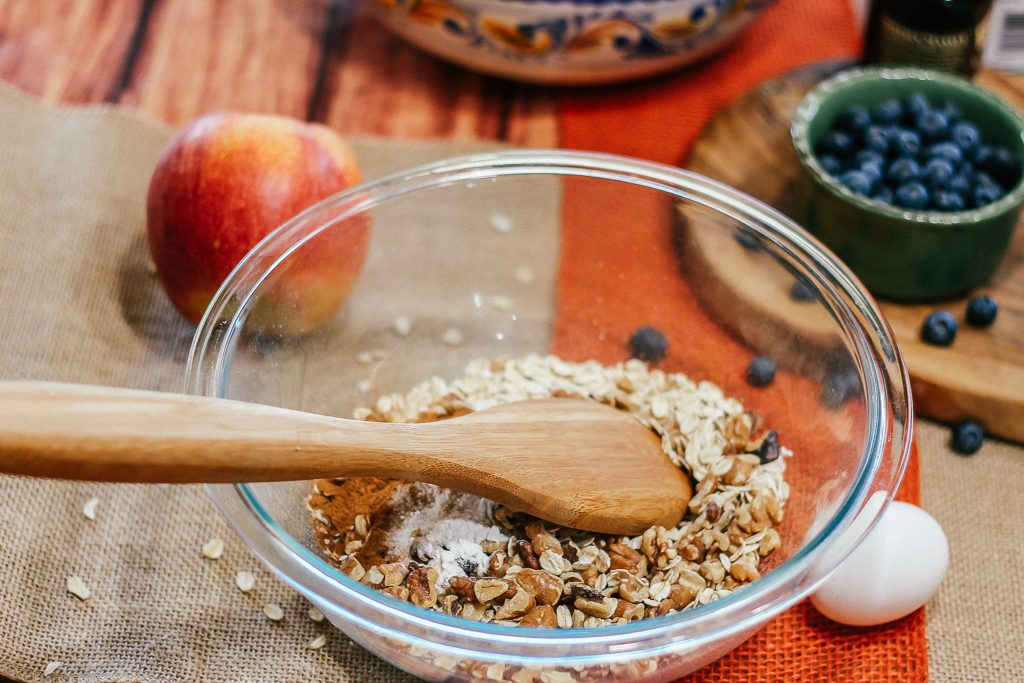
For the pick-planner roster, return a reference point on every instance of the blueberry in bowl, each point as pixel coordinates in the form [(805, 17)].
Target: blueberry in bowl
[(922, 202)]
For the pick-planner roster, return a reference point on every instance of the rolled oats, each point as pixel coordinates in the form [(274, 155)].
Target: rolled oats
[(532, 574)]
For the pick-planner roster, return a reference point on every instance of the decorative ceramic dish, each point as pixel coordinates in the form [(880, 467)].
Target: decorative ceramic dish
[(569, 42)]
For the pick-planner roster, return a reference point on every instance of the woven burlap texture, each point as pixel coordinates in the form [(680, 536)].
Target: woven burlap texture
[(79, 303)]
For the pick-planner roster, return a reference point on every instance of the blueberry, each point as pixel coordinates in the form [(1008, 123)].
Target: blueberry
[(944, 200), (945, 150), (903, 170), (1002, 166), (747, 240), (831, 165), (967, 437), (961, 184), (966, 136), (852, 120), (801, 291), (868, 157), (888, 112), (761, 371), (982, 179), (951, 110), (906, 143), (981, 310), (878, 139), (648, 344), (939, 328), (839, 387), (914, 105), (933, 126), (912, 195), (985, 194), (983, 154), (858, 181), (835, 143), (937, 173), (873, 172), (769, 450), (883, 194)]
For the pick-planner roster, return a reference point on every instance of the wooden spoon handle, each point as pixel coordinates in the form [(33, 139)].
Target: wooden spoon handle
[(69, 431)]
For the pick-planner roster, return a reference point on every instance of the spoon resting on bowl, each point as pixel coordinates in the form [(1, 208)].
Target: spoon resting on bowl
[(574, 463)]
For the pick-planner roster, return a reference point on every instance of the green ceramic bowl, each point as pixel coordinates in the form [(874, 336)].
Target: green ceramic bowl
[(903, 254)]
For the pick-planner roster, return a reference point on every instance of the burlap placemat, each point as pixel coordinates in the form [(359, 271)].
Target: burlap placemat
[(78, 303)]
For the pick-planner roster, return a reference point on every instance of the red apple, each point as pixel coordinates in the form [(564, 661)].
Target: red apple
[(222, 184)]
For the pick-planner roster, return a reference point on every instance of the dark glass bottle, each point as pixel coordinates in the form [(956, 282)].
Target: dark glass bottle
[(934, 34)]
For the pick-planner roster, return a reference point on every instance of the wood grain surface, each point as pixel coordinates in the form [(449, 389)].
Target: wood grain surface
[(982, 375), (177, 59)]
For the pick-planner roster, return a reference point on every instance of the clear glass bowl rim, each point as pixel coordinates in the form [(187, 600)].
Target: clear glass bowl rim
[(888, 398)]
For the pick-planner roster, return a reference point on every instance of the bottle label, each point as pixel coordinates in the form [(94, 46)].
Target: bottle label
[(901, 45), (1004, 40)]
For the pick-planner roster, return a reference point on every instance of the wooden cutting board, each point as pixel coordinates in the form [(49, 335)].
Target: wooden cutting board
[(981, 376)]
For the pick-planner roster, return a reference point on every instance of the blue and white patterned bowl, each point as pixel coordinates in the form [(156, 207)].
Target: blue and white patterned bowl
[(569, 42)]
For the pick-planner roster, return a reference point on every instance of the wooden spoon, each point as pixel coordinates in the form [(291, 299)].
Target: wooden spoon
[(575, 463)]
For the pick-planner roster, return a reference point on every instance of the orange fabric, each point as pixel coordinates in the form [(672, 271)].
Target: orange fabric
[(605, 263)]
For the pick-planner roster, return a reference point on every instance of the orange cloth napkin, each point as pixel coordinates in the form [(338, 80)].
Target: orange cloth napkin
[(659, 120)]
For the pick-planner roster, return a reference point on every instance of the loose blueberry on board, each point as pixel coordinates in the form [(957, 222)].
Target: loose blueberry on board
[(903, 170), (888, 112), (937, 173), (912, 195), (858, 181), (968, 436), (939, 328), (648, 344), (945, 200), (981, 311), (966, 136), (853, 120), (761, 371), (836, 143), (831, 165), (906, 143)]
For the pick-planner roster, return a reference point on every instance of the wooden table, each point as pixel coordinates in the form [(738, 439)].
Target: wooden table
[(177, 59)]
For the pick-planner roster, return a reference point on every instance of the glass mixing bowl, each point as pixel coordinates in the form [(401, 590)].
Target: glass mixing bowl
[(474, 244)]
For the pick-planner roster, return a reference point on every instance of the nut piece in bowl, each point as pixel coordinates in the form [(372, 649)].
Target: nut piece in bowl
[(934, 213), (569, 42), (445, 258)]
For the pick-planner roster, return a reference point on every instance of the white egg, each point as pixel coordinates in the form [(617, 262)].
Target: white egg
[(895, 570)]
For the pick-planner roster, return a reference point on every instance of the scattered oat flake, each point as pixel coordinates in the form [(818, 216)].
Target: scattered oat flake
[(364, 357), (245, 581), (365, 385), (452, 336), (78, 588), (501, 223), (402, 325), (50, 668), (273, 611), (317, 642), (213, 549), (89, 509), (524, 274), (501, 303), (315, 614)]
